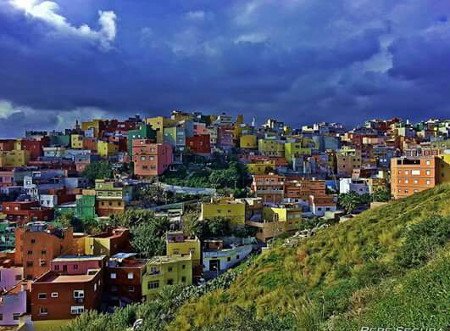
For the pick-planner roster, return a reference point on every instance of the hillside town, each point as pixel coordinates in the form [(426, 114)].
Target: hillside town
[(108, 212)]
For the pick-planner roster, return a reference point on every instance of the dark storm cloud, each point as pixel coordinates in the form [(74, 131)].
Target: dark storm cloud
[(299, 60)]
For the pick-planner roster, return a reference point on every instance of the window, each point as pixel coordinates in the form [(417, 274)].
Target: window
[(428, 162), (130, 288), (415, 172), (76, 310), (428, 172), (33, 241), (43, 311), (1, 317), (237, 257), (78, 294), (170, 269), (113, 275), (170, 282), (228, 258), (16, 316), (42, 263), (183, 279), (18, 277), (30, 252), (42, 295), (75, 267), (130, 275), (56, 267), (152, 285), (54, 294), (183, 266)]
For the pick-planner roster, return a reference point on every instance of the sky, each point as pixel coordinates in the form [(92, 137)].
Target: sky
[(299, 61)]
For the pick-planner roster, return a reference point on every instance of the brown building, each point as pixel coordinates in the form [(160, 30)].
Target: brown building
[(56, 296), (304, 188), (346, 161), (412, 175), (270, 188), (151, 159), (123, 279), (37, 244)]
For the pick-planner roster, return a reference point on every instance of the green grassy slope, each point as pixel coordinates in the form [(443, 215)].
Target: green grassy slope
[(388, 267)]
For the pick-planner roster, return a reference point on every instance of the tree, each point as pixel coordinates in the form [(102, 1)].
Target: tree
[(382, 195), (98, 170), (349, 201), (148, 238)]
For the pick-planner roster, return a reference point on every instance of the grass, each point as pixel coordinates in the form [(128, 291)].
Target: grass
[(347, 276)]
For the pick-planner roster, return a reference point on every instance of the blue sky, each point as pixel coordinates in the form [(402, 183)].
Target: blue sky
[(295, 60)]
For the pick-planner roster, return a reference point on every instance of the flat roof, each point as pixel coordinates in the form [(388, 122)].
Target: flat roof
[(52, 277), (79, 258), (169, 259)]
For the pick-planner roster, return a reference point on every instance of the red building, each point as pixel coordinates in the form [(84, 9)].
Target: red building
[(56, 296), (7, 145), (35, 147), (90, 144), (151, 159), (123, 278), (200, 144), (26, 211), (37, 244)]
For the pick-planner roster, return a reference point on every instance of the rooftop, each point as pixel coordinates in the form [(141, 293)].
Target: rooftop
[(53, 277), (65, 258)]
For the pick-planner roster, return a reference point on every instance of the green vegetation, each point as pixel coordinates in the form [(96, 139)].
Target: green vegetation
[(228, 177), (387, 267), (98, 170), (364, 272)]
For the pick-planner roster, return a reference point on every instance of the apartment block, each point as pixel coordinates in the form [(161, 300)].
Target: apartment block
[(37, 244), (230, 209), (151, 159), (413, 175), (269, 187)]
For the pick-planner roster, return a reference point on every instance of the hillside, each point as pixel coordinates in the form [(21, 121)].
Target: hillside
[(388, 267)]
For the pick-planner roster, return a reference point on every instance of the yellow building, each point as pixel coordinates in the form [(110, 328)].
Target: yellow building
[(106, 149), (76, 141), (282, 214), (271, 147), (178, 244), (230, 209), (159, 123), (14, 158), (248, 141), (166, 270), (295, 149), (261, 168), (94, 124)]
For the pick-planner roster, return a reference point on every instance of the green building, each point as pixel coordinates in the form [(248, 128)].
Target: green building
[(85, 207), (7, 236), (145, 131)]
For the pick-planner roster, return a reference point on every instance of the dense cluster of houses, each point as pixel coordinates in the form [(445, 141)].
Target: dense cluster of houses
[(50, 274)]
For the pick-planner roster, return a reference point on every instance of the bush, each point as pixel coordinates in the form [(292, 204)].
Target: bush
[(422, 240)]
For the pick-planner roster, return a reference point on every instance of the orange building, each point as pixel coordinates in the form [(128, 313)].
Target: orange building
[(37, 244), (412, 175)]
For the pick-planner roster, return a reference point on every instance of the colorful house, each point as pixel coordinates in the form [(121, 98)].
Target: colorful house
[(178, 244), (106, 149), (248, 141), (14, 158), (271, 147), (151, 159), (166, 270), (230, 209), (144, 131), (108, 243), (76, 141), (294, 150)]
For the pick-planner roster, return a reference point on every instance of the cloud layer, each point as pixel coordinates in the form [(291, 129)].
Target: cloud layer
[(296, 60)]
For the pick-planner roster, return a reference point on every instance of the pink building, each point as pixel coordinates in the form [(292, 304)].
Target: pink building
[(13, 304), (151, 159), (77, 264), (6, 178)]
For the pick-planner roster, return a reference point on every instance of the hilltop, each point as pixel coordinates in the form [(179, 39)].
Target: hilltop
[(387, 267)]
